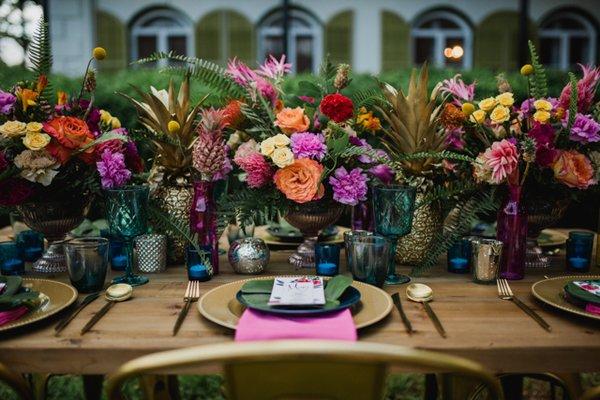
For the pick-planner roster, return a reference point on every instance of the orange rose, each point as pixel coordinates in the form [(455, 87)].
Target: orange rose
[(291, 120), (72, 133), (301, 180), (573, 169)]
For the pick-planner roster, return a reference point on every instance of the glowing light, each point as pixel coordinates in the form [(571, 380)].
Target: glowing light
[(455, 52), (447, 52)]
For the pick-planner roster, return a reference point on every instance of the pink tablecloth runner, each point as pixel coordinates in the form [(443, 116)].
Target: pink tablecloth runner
[(256, 325)]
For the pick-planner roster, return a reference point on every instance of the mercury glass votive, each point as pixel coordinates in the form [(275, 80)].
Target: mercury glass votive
[(151, 253), (485, 260), (327, 259), (579, 251), (11, 262), (87, 263), (30, 244), (198, 263), (459, 257)]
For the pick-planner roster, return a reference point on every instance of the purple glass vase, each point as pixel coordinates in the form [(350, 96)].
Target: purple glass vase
[(512, 232), (362, 217), (203, 219)]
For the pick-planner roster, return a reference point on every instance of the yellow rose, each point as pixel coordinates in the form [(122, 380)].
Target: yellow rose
[(500, 114), (36, 140), (478, 117), (282, 157), (505, 99), (542, 105), (34, 127), (267, 147), (541, 116), (488, 104), (11, 129), (280, 140)]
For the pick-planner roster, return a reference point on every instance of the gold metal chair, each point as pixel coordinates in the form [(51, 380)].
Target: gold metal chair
[(295, 369), (591, 394), (16, 383)]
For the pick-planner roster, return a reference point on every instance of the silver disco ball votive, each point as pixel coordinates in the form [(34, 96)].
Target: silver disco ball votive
[(249, 256)]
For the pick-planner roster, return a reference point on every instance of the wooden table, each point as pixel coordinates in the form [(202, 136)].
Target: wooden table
[(480, 326)]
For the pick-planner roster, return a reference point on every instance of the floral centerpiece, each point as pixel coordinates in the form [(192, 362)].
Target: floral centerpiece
[(55, 156), (543, 147)]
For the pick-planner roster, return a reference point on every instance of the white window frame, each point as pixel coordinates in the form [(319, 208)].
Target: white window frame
[(162, 34), (314, 29), (439, 36), (563, 35)]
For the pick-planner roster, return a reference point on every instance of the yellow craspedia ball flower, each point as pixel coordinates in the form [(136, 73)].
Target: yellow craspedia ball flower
[(500, 114), (478, 117), (541, 116), (173, 127), (542, 105), (99, 53), (488, 104), (527, 70), (506, 99), (468, 108)]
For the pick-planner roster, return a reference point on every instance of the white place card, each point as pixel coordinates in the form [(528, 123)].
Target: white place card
[(297, 291)]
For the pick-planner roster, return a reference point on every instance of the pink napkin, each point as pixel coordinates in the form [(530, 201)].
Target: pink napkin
[(12, 315), (256, 325), (592, 308)]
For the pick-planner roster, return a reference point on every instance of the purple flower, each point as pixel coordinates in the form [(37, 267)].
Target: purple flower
[(584, 129), (7, 102), (349, 187), (459, 90), (308, 145), (382, 172), (542, 133), (225, 170), (454, 139), (240, 72), (112, 170), (266, 89)]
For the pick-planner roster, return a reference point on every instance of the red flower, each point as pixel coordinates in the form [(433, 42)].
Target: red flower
[(233, 114), (337, 107), (58, 151)]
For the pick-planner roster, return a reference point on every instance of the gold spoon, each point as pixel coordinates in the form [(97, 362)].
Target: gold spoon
[(421, 293), (114, 294)]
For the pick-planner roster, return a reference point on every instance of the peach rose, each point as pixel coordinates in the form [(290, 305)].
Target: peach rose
[(301, 180), (291, 120), (72, 133), (574, 170)]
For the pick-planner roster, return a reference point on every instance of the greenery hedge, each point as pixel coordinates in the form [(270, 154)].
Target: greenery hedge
[(111, 83)]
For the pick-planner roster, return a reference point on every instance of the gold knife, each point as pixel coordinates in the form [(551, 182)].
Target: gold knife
[(97, 316), (65, 321), (433, 317), (405, 320)]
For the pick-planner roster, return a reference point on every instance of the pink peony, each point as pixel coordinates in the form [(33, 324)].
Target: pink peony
[(258, 171), (503, 159), (586, 88)]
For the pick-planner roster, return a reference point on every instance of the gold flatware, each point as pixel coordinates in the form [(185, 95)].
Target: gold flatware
[(423, 294), (192, 294), (505, 293), (114, 294), (65, 321), (405, 320)]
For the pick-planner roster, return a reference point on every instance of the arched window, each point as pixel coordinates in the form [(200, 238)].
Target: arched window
[(161, 30), (442, 38), (567, 38), (305, 39)]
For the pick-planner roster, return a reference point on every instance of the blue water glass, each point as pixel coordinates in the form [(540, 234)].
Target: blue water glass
[(327, 259), (117, 253), (87, 263), (11, 262), (459, 257), (348, 237), (30, 244), (368, 258), (579, 251), (198, 264)]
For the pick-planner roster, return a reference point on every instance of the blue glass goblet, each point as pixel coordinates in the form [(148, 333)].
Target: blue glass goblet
[(127, 215), (393, 208)]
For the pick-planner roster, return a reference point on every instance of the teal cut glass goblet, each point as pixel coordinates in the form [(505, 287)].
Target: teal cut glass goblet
[(393, 208), (127, 215)]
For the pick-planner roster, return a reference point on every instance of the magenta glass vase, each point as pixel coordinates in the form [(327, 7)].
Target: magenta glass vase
[(362, 217), (203, 219), (512, 232)]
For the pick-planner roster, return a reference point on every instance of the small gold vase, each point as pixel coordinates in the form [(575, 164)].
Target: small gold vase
[(427, 220), (175, 200)]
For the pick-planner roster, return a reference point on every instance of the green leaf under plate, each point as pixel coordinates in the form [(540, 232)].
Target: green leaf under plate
[(336, 286), (261, 286)]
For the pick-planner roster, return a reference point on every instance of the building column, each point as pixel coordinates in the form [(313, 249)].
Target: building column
[(367, 38)]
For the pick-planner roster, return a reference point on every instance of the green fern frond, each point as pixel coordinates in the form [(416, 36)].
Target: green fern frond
[(438, 193), (368, 98), (538, 82), (327, 70), (40, 54), (596, 111), (572, 101), (457, 225)]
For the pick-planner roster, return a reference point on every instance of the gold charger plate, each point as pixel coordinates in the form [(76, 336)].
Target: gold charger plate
[(60, 296), (261, 233), (552, 237), (220, 306), (550, 291)]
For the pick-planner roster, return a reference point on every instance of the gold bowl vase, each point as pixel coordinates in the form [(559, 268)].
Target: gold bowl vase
[(310, 219), (427, 220)]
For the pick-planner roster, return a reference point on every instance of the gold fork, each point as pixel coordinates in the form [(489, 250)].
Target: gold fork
[(505, 293), (192, 294)]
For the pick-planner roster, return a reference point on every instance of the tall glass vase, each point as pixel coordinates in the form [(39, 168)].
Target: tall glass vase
[(512, 232), (203, 219)]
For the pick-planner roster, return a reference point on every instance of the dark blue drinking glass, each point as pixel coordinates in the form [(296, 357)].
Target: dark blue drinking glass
[(87, 263), (198, 263), (127, 215), (459, 257), (327, 259), (11, 262), (393, 209), (579, 251), (30, 244), (117, 252)]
